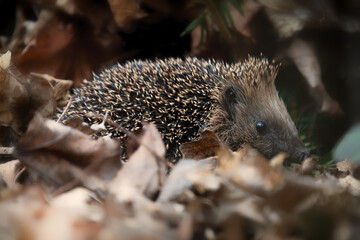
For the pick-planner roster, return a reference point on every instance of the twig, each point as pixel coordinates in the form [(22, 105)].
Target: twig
[(66, 109)]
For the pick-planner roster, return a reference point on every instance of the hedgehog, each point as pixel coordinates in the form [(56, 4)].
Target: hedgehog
[(184, 96)]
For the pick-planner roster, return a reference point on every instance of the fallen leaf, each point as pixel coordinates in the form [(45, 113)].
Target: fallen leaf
[(58, 153), (126, 12), (345, 166), (9, 172), (21, 96), (5, 60), (351, 183), (207, 146), (308, 166), (55, 44), (60, 88), (185, 175), (14, 99), (145, 171), (78, 202), (306, 60), (31, 217), (78, 124), (250, 170)]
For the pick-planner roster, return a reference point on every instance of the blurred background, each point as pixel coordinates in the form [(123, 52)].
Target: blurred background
[(317, 44)]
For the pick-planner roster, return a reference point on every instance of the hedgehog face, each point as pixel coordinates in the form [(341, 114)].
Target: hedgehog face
[(260, 119), (274, 133)]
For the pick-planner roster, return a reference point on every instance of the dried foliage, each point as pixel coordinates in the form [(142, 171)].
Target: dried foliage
[(21, 96), (206, 146), (67, 39), (71, 192)]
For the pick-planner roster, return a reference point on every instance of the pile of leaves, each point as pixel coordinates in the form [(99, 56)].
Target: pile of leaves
[(75, 187)]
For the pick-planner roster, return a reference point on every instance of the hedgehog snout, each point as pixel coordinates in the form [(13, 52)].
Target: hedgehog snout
[(301, 155), (294, 147)]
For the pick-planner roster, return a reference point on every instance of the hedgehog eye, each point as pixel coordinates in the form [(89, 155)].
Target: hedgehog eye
[(260, 127)]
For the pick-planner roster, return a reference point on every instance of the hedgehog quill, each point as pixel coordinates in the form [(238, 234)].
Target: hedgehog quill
[(183, 97)]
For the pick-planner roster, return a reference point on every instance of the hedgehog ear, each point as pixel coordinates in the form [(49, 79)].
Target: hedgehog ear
[(232, 96)]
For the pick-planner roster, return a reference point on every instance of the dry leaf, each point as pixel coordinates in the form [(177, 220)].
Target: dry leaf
[(305, 59), (184, 176), (29, 216), (250, 170), (48, 93), (5, 60), (9, 172), (126, 12), (351, 183), (78, 202), (78, 124), (14, 99), (207, 146), (144, 172), (68, 47), (60, 88), (58, 153), (308, 166), (345, 166), (21, 97)]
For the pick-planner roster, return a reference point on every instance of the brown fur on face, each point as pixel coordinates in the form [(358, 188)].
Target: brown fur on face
[(247, 98)]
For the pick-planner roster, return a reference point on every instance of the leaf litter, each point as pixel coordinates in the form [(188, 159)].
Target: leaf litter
[(230, 195)]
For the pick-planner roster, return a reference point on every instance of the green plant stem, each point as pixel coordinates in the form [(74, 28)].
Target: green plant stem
[(222, 26)]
